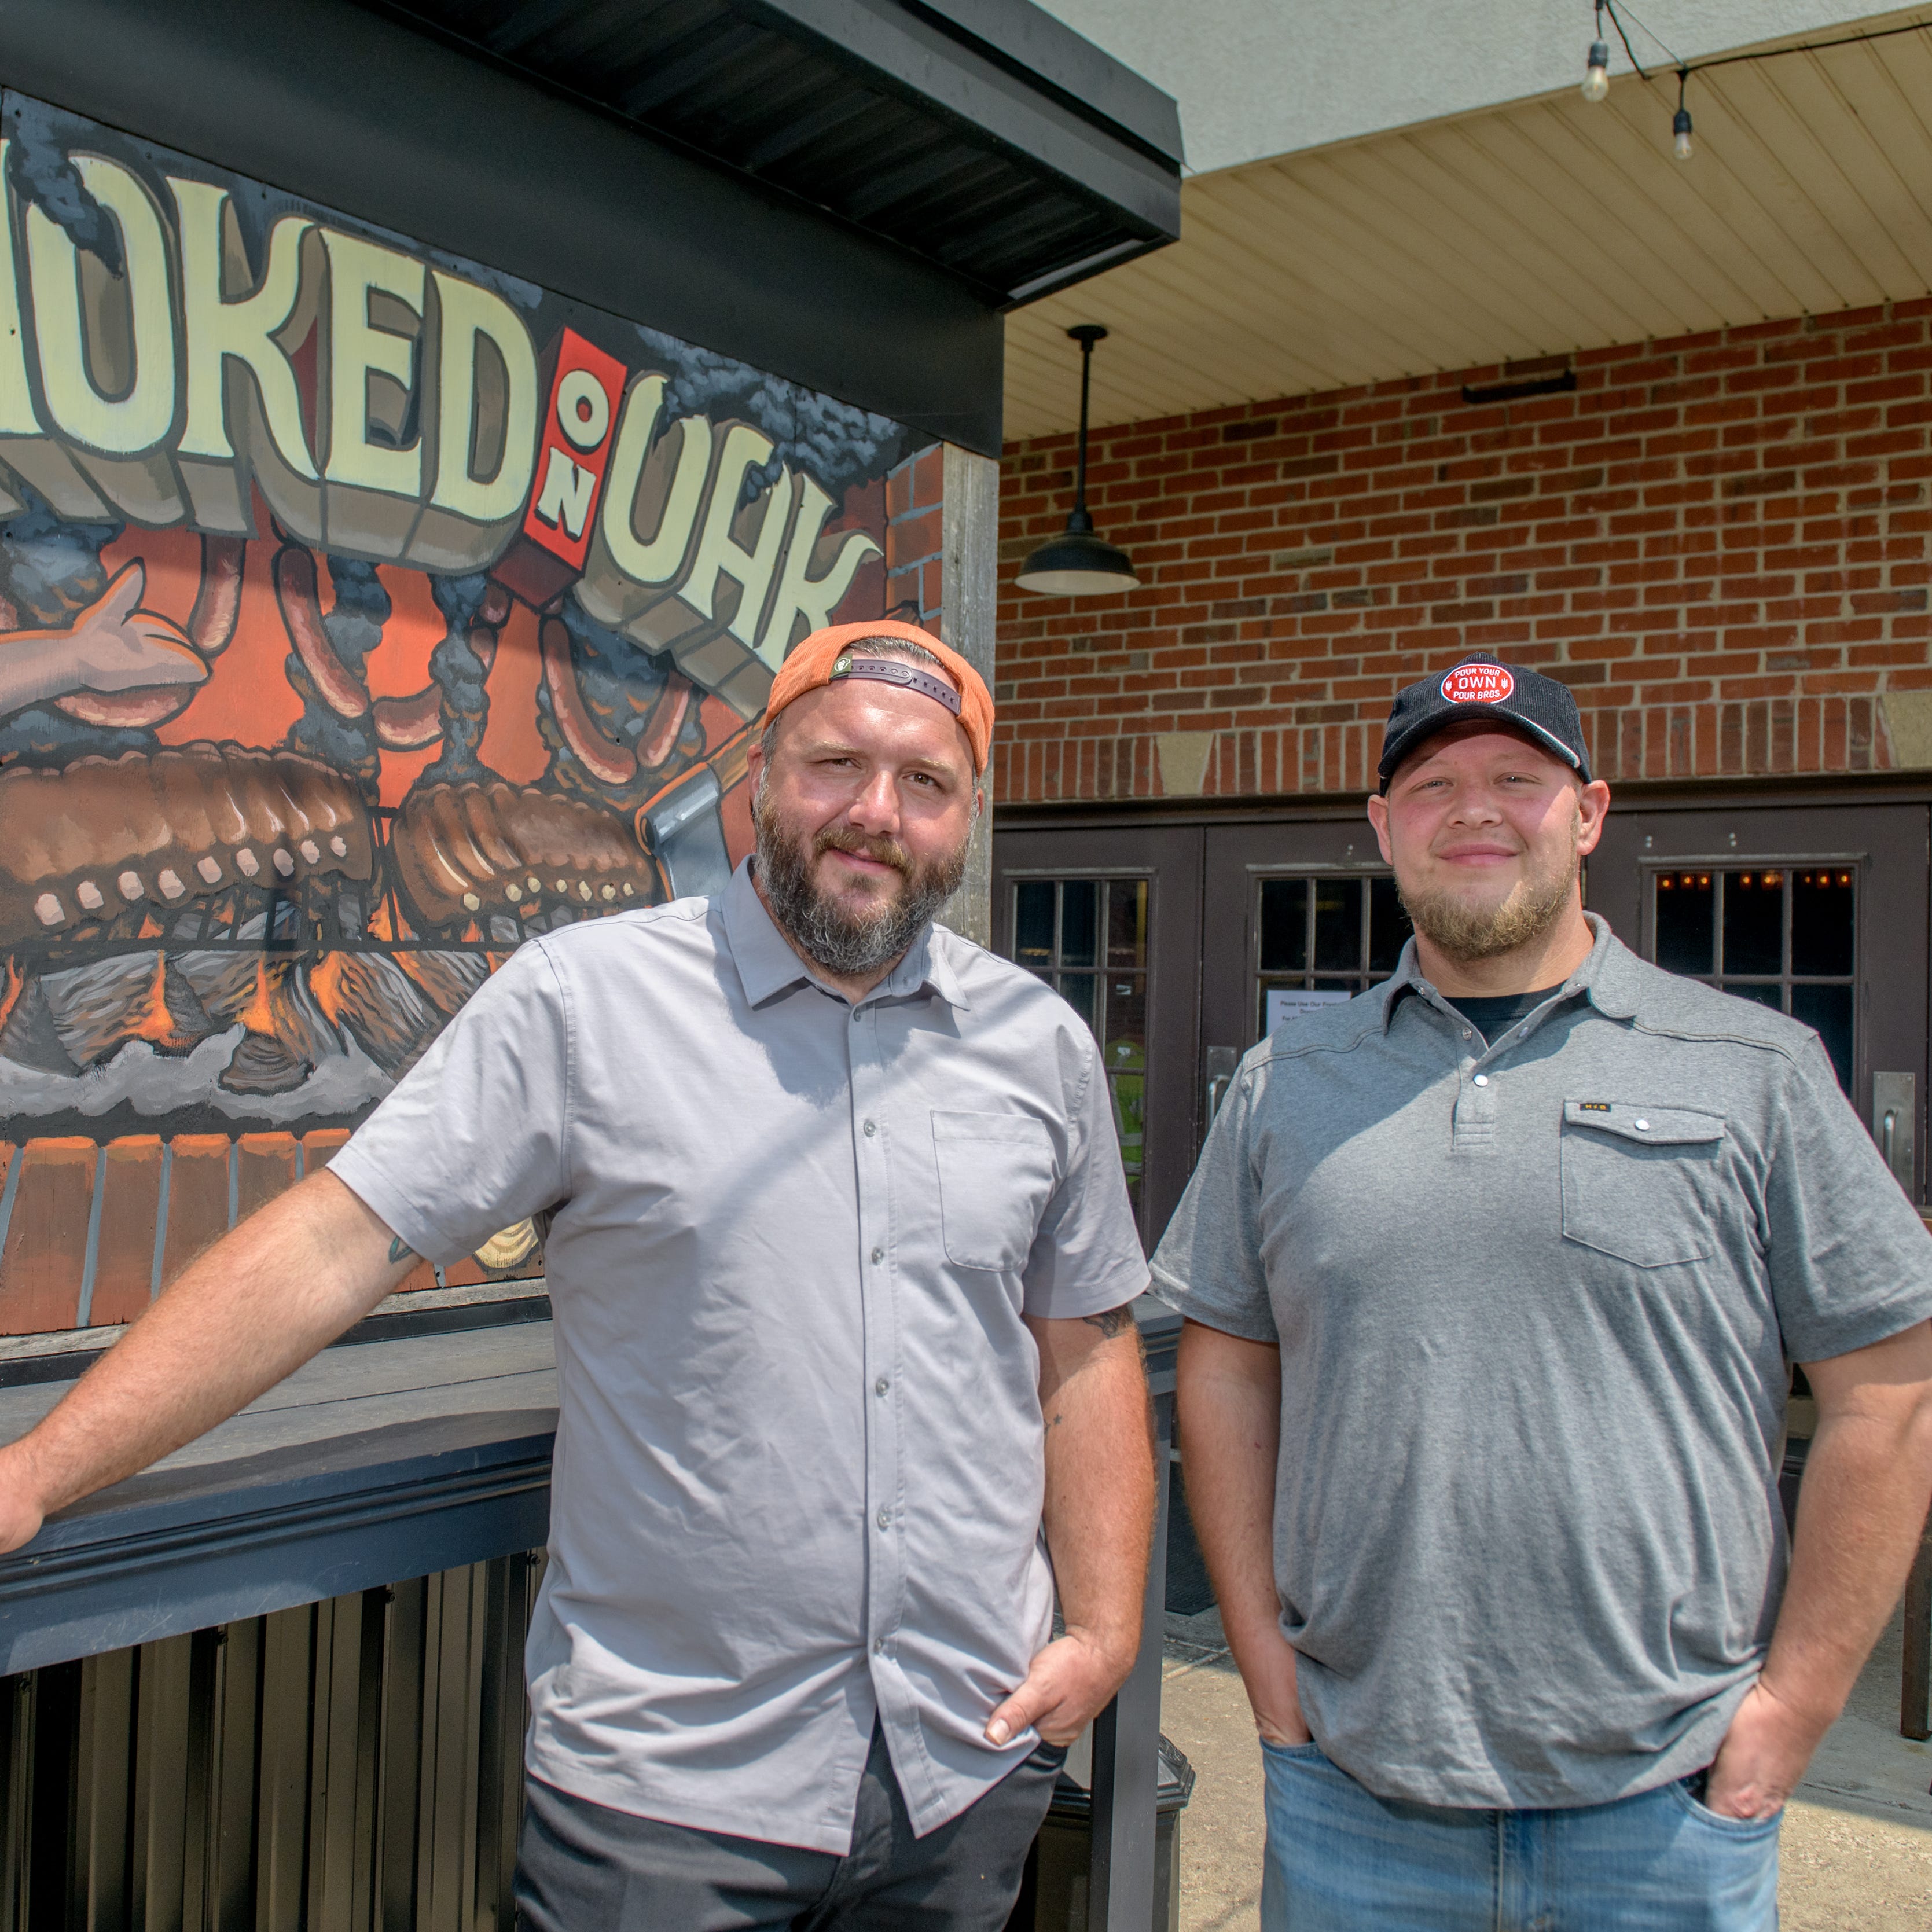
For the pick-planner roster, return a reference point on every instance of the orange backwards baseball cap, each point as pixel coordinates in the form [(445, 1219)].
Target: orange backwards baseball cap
[(835, 653)]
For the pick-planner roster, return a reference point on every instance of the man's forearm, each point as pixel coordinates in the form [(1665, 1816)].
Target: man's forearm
[(257, 1305), (1860, 1512), (1098, 1514), (1099, 1510), (1228, 1400)]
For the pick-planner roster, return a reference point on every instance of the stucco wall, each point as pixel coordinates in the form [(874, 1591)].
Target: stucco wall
[(1260, 77)]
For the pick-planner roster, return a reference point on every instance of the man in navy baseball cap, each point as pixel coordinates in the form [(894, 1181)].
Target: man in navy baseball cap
[(1490, 1276), (1482, 687)]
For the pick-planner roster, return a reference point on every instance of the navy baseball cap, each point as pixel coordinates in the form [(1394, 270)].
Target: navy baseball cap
[(1481, 686)]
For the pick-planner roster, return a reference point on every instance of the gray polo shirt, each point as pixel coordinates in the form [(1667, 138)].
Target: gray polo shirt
[(799, 1462), (1534, 1301)]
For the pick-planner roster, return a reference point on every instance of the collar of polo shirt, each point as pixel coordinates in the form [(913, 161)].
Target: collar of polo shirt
[(1605, 976)]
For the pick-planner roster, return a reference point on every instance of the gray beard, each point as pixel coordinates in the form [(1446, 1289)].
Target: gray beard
[(1466, 933), (846, 944)]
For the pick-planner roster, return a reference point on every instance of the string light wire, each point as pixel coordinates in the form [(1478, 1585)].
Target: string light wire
[(1675, 58), (1680, 125), (1609, 7)]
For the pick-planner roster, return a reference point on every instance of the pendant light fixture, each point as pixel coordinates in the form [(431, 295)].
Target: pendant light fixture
[(1077, 563)]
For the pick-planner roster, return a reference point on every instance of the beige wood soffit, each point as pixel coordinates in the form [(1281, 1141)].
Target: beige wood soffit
[(1545, 226)]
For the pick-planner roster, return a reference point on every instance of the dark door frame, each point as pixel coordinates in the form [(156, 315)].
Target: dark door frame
[(1069, 825), (1170, 857)]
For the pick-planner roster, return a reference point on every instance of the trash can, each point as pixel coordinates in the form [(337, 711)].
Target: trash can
[(1053, 1895)]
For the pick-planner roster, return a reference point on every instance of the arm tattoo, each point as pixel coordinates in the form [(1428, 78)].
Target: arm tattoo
[(398, 1248), (1111, 1321)]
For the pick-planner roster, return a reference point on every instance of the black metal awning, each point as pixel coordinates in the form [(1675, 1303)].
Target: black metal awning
[(980, 136), (845, 193)]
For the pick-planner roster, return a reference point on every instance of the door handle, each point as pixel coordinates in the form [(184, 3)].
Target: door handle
[(1895, 1126), (1222, 1062)]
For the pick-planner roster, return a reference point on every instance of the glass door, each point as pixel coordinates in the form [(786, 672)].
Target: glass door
[(1786, 936), (1819, 911), (1319, 938), (1088, 939), (1298, 913), (1110, 919)]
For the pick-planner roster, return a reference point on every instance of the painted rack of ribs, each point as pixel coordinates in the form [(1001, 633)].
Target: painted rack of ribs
[(81, 846), (463, 850)]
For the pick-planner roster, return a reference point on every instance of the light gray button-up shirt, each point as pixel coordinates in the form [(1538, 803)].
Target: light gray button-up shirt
[(1533, 1298), (798, 1457)]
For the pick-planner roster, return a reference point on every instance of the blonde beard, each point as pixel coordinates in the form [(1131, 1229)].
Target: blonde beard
[(1530, 908)]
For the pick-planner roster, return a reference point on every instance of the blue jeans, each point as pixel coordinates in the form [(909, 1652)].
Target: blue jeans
[(1340, 1859)]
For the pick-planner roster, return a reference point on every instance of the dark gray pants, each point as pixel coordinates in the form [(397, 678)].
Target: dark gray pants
[(584, 1868)]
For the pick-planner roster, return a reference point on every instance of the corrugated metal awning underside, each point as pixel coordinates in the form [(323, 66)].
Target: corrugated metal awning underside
[(1532, 230), (893, 118)]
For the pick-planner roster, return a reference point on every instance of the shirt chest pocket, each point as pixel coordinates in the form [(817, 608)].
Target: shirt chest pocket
[(996, 1173), (1642, 1183)]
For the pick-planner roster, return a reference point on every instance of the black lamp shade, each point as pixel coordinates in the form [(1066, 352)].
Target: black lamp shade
[(1076, 563)]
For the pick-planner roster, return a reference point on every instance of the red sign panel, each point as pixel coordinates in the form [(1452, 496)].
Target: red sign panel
[(574, 451)]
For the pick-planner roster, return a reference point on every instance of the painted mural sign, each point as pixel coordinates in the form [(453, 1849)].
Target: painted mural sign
[(363, 611)]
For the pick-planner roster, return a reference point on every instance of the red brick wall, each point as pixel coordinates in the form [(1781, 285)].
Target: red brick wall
[(914, 538), (1718, 541)]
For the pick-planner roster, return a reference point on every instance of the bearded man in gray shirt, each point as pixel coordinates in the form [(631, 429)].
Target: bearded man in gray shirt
[(839, 1249), (1491, 1277)]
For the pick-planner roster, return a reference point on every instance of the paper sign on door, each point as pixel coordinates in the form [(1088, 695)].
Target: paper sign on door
[(1290, 1003)]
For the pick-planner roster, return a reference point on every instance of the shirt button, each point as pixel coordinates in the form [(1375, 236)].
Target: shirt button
[(880, 1387), (885, 1519), (1466, 1033), (1482, 1080), (878, 1646), (1641, 1126), (878, 1256), (871, 1130)]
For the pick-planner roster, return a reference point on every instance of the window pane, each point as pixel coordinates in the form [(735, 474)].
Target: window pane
[(1821, 921), (1127, 922), (1753, 922), (1126, 1006), (1079, 922), (1338, 925), (1077, 990), (1284, 926), (1389, 927), (1124, 1055), (1032, 923), (1685, 935), (1829, 1009)]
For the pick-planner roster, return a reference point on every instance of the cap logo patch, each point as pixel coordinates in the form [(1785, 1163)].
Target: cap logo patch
[(1477, 684)]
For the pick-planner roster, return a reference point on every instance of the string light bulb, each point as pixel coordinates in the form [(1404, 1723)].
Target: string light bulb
[(1597, 75), (1680, 122)]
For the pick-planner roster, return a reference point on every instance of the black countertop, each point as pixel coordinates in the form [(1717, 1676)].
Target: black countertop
[(369, 1464), (373, 1462)]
